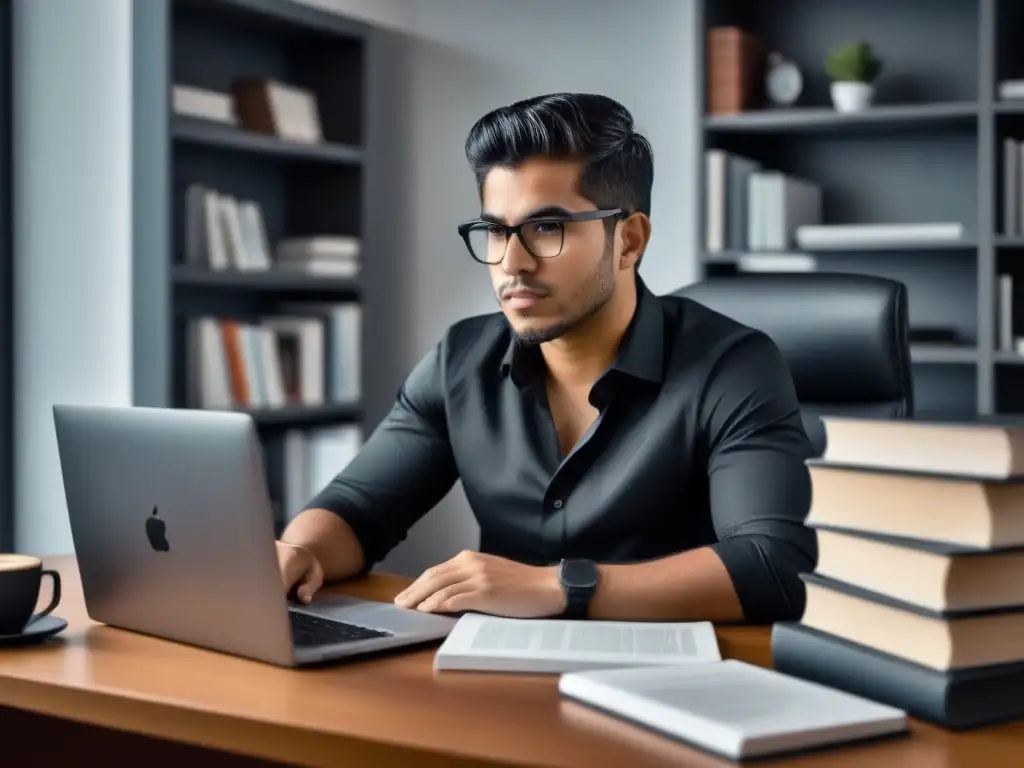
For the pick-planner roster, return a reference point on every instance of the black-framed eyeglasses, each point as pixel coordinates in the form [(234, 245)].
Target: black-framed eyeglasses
[(543, 236)]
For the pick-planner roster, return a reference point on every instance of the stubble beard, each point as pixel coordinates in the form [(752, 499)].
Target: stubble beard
[(593, 295)]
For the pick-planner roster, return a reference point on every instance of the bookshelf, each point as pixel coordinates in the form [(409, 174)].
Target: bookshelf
[(196, 132), (928, 150), (277, 286), (301, 189)]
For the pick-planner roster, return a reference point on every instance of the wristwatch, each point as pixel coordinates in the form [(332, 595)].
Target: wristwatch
[(579, 582)]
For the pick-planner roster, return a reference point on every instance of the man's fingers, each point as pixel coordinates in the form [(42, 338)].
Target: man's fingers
[(469, 600), (310, 582), (438, 600), (428, 583), (404, 597), (291, 565), (300, 571)]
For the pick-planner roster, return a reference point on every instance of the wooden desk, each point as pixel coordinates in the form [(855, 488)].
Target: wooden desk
[(131, 699)]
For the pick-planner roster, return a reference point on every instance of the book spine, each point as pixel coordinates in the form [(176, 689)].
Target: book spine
[(739, 170), (941, 699), (1011, 186), (717, 164), (734, 71)]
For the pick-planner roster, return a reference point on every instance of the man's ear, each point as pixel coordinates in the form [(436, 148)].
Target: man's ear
[(634, 234)]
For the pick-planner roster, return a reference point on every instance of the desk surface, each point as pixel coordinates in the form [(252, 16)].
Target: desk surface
[(391, 710)]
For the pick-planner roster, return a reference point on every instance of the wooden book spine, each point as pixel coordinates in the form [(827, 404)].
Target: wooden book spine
[(736, 62)]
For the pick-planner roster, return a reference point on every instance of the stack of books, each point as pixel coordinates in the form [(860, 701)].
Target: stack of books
[(917, 600), (752, 207), (308, 354), (262, 105)]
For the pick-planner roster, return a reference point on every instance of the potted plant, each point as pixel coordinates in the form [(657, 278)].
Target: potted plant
[(852, 68)]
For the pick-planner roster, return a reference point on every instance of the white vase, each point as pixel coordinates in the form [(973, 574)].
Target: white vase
[(852, 96)]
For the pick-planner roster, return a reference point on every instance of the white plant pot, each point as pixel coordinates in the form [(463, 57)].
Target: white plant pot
[(852, 96)]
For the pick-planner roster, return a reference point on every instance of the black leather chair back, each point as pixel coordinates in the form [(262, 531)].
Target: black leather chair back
[(845, 337)]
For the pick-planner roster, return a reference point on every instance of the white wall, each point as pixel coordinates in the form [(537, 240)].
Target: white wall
[(73, 238), (397, 15), (469, 56)]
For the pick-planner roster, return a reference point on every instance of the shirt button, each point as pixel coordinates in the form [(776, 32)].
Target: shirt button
[(557, 504)]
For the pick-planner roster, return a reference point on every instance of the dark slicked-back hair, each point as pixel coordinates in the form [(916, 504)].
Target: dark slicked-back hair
[(617, 162)]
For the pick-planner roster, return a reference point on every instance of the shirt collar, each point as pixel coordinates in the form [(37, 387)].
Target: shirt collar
[(641, 353)]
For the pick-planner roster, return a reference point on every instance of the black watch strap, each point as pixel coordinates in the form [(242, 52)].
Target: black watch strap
[(579, 582), (577, 602)]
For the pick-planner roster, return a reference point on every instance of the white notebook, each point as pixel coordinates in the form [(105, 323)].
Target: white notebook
[(481, 642), (734, 709)]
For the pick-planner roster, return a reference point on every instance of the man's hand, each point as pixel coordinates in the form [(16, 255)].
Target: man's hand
[(299, 569), (472, 581)]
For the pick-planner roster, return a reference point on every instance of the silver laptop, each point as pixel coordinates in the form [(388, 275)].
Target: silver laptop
[(174, 535)]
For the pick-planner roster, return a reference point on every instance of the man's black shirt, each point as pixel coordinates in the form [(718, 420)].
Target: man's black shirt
[(698, 442)]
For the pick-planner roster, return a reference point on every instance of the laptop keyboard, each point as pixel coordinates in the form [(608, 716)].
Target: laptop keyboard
[(310, 630)]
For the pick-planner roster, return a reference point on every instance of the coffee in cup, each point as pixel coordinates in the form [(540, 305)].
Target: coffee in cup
[(21, 577)]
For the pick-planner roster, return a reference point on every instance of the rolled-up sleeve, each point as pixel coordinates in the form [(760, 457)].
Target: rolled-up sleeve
[(402, 471), (759, 485)]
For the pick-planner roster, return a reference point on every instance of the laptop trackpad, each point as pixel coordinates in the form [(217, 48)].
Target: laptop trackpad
[(373, 614)]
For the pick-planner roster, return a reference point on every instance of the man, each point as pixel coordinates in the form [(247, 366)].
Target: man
[(627, 456)]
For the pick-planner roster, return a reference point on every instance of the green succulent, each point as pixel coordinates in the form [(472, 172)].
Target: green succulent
[(853, 62)]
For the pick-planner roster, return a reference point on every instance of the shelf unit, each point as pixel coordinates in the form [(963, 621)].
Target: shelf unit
[(928, 150), (196, 132), (302, 189), (277, 284), (884, 119)]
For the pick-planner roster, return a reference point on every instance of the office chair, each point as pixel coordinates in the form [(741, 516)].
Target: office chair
[(845, 338)]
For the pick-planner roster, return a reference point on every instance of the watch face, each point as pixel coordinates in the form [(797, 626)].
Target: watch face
[(579, 574)]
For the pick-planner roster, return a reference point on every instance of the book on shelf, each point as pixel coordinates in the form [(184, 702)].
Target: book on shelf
[(1011, 89), (1012, 214), (499, 644), (278, 109), (1012, 184), (734, 709), (776, 262), (753, 208), (1005, 339), (309, 357), (306, 461), (338, 343), (322, 247), (735, 67), (916, 599), (203, 103), (261, 105), (335, 255), (816, 235), (224, 233), (779, 205)]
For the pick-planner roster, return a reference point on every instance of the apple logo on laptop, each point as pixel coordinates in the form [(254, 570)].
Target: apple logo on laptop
[(156, 532)]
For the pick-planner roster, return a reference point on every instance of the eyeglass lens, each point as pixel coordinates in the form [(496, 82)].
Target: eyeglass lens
[(543, 239)]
